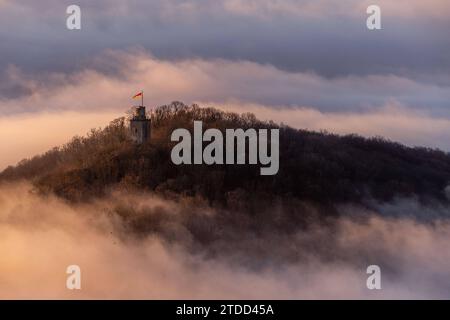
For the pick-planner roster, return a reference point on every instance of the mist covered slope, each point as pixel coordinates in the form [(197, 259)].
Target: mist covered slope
[(337, 205), (320, 168)]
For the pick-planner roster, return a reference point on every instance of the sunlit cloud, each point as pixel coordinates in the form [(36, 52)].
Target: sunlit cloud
[(58, 106), (118, 73), (392, 121), (413, 256), (26, 135)]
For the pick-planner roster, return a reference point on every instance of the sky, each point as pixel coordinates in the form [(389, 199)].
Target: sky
[(310, 64)]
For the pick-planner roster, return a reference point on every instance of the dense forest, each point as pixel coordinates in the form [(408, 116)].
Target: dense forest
[(317, 167)]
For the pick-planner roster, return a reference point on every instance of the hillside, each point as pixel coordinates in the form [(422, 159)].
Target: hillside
[(320, 168)]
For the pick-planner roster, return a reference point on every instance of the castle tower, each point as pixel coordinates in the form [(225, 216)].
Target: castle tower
[(140, 126)]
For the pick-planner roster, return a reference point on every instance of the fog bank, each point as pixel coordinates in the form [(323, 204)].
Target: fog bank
[(41, 236)]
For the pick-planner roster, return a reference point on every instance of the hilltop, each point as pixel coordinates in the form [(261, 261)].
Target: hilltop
[(316, 167)]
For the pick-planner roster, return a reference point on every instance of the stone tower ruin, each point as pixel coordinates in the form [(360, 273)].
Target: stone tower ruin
[(140, 126)]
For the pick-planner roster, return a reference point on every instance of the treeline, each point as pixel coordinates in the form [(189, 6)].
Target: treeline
[(315, 167)]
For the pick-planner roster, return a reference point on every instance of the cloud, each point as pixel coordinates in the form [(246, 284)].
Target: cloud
[(320, 8), (326, 37), (392, 121), (26, 135), (41, 236), (57, 106), (118, 73), (180, 8), (310, 64)]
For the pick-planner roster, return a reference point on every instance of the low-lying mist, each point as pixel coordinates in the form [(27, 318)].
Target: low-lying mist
[(138, 245)]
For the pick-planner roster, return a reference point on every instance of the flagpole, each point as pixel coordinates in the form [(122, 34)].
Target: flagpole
[(142, 98)]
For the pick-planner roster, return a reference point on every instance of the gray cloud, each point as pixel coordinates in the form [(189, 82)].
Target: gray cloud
[(117, 73), (320, 36)]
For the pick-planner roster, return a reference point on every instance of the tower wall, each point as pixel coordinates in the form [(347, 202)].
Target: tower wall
[(140, 127)]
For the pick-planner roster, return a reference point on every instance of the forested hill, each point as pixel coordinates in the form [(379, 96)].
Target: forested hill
[(317, 167)]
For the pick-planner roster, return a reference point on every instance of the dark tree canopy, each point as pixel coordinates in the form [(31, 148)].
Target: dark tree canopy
[(317, 167)]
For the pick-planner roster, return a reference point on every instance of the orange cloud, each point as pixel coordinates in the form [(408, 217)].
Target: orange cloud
[(26, 135), (42, 236)]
